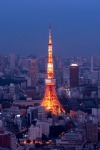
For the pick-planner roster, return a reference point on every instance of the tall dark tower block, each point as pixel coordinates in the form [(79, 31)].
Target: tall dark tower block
[(74, 75)]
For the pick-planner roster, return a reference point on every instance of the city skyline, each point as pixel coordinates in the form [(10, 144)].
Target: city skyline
[(49, 82), (75, 25)]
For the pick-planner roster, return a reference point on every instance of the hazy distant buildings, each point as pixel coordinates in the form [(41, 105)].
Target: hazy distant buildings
[(92, 65), (33, 71), (74, 75), (58, 71), (12, 61), (66, 75), (3, 61)]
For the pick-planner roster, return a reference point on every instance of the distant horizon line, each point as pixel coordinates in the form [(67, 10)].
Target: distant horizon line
[(55, 55)]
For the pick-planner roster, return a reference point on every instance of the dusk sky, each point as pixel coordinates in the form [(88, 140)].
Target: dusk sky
[(75, 26)]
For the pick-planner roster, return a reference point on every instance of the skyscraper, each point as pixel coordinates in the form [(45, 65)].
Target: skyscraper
[(74, 75), (50, 100)]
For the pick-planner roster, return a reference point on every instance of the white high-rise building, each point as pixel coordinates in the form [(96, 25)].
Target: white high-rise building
[(45, 127), (12, 89), (34, 132), (19, 122), (36, 113)]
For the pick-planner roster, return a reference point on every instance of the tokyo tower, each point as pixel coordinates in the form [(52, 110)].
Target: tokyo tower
[(50, 100)]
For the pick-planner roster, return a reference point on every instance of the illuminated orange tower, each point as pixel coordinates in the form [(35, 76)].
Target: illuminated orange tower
[(50, 100)]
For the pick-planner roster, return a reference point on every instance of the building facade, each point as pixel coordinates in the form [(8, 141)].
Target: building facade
[(74, 75)]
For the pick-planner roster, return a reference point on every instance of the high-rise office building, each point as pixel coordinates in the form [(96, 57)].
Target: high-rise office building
[(74, 75)]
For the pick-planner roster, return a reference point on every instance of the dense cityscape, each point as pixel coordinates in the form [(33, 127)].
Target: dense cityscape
[(49, 75), (35, 116)]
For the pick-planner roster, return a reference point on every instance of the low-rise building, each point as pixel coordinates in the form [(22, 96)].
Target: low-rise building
[(70, 139), (92, 131), (8, 140)]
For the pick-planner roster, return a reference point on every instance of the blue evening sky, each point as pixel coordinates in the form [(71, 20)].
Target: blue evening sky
[(75, 26)]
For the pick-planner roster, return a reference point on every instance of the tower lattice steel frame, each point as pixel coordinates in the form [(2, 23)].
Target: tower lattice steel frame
[(50, 100)]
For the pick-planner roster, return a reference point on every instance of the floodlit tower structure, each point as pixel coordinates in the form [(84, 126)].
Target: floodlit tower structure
[(50, 100)]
